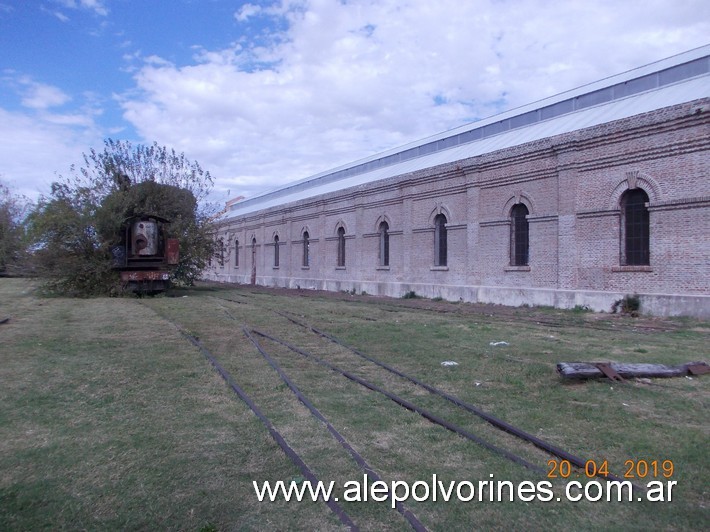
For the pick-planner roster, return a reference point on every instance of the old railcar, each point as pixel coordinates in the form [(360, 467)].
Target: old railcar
[(145, 258)]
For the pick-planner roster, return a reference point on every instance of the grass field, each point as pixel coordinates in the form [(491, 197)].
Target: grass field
[(111, 419)]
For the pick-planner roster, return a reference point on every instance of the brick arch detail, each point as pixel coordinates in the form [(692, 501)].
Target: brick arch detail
[(338, 225), (633, 180), (440, 208), (519, 197), (380, 219)]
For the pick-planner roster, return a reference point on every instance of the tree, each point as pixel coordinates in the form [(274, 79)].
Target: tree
[(74, 228), (13, 209)]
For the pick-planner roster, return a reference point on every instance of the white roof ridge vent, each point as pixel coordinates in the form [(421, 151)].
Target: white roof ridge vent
[(654, 76)]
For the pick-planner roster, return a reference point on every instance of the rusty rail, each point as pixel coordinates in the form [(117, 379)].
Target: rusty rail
[(407, 514), (287, 449), (408, 405), (496, 422)]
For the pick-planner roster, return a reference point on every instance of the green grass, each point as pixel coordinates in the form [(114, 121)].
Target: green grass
[(110, 419)]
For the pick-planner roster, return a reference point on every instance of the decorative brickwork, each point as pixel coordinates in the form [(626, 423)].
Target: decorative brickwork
[(572, 186)]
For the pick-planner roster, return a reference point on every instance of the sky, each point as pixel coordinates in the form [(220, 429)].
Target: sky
[(263, 93)]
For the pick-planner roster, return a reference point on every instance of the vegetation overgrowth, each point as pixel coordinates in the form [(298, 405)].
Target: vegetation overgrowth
[(68, 234), (110, 419)]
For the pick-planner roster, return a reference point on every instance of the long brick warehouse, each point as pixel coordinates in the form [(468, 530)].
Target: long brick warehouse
[(579, 199)]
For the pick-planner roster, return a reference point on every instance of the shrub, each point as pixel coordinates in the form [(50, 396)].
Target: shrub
[(629, 304)]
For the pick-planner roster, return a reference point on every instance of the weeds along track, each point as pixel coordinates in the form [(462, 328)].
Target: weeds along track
[(340, 513), (498, 423), (281, 440), (511, 315), (426, 414), (275, 336), (546, 447), (357, 457)]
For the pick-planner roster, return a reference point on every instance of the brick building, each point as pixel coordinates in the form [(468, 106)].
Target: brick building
[(578, 199)]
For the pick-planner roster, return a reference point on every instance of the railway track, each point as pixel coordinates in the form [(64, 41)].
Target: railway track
[(511, 315), (251, 333), (493, 420), (500, 424), (292, 455)]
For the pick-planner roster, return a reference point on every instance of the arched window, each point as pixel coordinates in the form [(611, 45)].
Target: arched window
[(384, 251), (253, 260), (519, 243), (276, 251), (236, 253), (635, 241), (341, 247), (221, 251), (306, 249), (440, 252)]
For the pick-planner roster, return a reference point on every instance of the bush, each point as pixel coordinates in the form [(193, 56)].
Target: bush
[(73, 229), (629, 304), (13, 210)]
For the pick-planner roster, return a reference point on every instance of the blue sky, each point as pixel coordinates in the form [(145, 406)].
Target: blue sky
[(262, 93), (90, 50)]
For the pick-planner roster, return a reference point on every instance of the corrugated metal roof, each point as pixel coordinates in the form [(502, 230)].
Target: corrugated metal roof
[(675, 80)]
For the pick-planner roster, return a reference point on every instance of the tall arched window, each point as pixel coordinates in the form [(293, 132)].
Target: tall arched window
[(276, 251), (384, 251), (341, 247), (253, 260), (519, 243), (306, 249), (236, 253), (635, 241), (440, 252), (221, 251)]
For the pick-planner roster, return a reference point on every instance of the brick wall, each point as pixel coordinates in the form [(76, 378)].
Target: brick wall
[(571, 185)]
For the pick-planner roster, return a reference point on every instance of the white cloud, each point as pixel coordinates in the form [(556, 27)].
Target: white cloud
[(33, 150), (61, 16), (347, 79), (42, 96), (46, 137), (97, 6), (341, 80), (247, 11)]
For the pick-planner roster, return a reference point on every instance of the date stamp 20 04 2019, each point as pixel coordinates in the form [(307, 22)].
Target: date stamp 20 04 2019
[(633, 469)]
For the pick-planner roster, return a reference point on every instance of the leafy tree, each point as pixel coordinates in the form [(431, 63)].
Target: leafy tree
[(13, 209), (74, 228)]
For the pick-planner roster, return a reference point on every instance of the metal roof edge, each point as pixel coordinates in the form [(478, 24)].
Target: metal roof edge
[(699, 56)]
